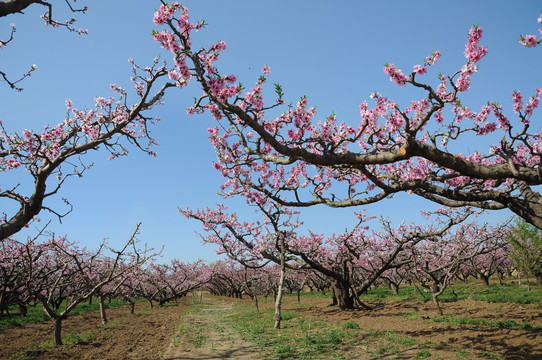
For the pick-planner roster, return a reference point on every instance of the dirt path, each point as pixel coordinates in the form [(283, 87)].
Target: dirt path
[(205, 333)]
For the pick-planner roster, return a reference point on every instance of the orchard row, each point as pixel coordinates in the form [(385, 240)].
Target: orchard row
[(59, 275)]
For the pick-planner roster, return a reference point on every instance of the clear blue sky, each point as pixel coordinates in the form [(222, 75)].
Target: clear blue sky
[(331, 51)]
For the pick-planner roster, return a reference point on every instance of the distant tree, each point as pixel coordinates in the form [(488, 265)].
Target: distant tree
[(526, 251), (59, 272)]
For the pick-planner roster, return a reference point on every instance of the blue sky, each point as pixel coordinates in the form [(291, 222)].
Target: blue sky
[(333, 52)]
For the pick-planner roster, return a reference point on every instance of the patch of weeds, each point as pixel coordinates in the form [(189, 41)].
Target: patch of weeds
[(394, 338), (220, 329), (411, 316), (350, 324), (488, 355), (288, 315), (502, 324), (335, 336), (73, 339), (282, 351), (194, 333), (423, 354)]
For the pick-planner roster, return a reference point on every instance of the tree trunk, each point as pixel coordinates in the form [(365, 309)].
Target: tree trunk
[(437, 304), (132, 307), (298, 296), (102, 309), (333, 297), (58, 330), (344, 299), (538, 277), (485, 279), (394, 288), (278, 303), (23, 309)]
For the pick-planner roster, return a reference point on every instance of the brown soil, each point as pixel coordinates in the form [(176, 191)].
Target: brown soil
[(446, 340), (144, 335), (159, 333)]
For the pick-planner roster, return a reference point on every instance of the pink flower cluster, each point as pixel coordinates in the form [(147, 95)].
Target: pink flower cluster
[(396, 75), (531, 40), (473, 52)]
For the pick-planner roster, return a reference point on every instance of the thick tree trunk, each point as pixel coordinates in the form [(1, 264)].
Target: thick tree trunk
[(344, 299), (485, 279), (58, 330), (334, 300), (538, 277)]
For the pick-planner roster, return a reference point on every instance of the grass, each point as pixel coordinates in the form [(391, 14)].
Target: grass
[(305, 338), (502, 324), (506, 293), (193, 332), (299, 338)]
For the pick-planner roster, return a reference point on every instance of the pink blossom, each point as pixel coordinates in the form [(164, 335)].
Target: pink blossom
[(396, 75), (418, 69), (528, 40), (518, 101)]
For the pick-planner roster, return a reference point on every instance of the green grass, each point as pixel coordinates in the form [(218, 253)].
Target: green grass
[(506, 293), (298, 337), (193, 332), (503, 324), (305, 338)]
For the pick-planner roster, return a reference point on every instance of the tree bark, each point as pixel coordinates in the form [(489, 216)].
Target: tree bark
[(8, 7), (58, 330), (102, 309), (394, 288), (344, 299), (278, 303)]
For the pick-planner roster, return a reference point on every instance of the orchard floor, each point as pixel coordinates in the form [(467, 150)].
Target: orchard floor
[(171, 333)]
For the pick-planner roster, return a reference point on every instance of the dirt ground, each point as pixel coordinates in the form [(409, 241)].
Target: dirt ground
[(154, 333), (144, 335), (454, 338)]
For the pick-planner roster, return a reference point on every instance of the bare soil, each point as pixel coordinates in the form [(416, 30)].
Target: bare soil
[(171, 332), (144, 335), (447, 340)]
